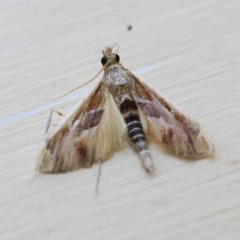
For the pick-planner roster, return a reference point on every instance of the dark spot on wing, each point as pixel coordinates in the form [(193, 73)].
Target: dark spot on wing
[(56, 140), (81, 148), (57, 168), (191, 129), (167, 135), (179, 117), (165, 104), (94, 100), (149, 109), (92, 119)]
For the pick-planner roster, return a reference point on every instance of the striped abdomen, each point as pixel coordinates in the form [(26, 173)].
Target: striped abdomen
[(129, 110)]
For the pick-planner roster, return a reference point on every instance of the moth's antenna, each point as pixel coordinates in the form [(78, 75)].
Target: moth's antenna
[(116, 44), (75, 88), (104, 67)]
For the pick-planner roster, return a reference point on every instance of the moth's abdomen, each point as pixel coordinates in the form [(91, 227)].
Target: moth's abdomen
[(135, 130), (129, 110)]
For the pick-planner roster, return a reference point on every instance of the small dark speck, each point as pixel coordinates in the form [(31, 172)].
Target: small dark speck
[(129, 27)]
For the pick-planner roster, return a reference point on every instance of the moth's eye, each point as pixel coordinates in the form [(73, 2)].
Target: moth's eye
[(104, 60), (117, 58)]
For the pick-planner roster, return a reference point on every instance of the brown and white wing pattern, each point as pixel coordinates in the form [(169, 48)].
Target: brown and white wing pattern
[(165, 123), (90, 133)]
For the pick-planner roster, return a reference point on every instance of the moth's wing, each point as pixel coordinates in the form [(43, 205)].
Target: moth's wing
[(90, 133), (108, 135), (167, 124)]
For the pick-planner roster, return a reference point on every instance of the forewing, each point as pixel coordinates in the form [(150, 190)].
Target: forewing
[(90, 133), (167, 124)]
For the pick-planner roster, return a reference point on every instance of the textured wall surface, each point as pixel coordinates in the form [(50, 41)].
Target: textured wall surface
[(188, 50)]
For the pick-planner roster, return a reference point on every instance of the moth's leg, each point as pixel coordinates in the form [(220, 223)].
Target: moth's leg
[(98, 177), (50, 118)]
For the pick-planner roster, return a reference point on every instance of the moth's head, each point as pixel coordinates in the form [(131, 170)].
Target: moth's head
[(109, 57)]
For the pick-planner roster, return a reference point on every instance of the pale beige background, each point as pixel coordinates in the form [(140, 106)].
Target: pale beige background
[(189, 50)]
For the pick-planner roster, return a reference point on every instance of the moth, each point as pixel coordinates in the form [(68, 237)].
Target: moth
[(121, 106)]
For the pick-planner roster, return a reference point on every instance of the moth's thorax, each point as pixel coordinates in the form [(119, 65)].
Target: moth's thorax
[(117, 80)]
